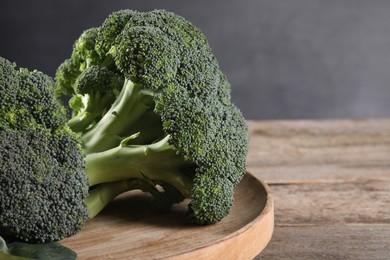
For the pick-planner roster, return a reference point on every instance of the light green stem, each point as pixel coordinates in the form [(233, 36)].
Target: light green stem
[(129, 106), (103, 194), (155, 162)]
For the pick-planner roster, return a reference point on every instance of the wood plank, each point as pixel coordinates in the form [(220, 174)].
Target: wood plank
[(329, 173), (329, 242), (319, 127), (356, 202), (283, 151)]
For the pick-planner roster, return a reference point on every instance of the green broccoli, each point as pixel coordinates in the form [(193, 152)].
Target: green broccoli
[(151, 111), (44, 191), (150, 103)]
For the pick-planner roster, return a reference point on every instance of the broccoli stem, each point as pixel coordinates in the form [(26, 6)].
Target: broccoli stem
[(99, 197), (93, 108), (102, 194), (81, 121), (128, 108), (157, 162)]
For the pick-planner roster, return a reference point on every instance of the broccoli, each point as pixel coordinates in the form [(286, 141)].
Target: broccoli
[(44, 191), (150, 103), (151, 110)]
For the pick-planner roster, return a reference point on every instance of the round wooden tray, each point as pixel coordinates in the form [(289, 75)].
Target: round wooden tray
[(129, 229)]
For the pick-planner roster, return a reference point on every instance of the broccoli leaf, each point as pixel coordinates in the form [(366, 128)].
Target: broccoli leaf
[(24, 251)]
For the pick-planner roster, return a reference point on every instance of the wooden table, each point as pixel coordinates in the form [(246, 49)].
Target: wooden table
[(331, 186)]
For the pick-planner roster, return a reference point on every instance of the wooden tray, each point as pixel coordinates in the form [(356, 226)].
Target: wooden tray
[(129, 229)]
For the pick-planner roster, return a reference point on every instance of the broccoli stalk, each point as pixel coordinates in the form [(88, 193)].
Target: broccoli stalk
[(87, 116), (131, 104), (155, 162), (100, 196), (111, 157)]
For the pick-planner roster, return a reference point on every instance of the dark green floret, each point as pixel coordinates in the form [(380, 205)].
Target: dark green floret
[(42, 185), (169, 123)]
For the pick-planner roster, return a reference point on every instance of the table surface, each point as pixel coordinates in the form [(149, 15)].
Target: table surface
[(331, 186)]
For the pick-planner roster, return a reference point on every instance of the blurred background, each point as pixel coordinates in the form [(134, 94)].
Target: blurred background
[(285, 59)]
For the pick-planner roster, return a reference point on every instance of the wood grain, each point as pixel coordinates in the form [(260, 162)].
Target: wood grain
[(129, 229), (329, 242), (331, 186), (284, 151)]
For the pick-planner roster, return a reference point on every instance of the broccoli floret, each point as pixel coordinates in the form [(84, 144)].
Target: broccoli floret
[(172, 125), (42, 185), (84, 53), (66, 75), (29, 98), (44, 189)]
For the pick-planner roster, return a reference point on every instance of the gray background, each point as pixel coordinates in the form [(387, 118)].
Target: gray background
[(285, 59)]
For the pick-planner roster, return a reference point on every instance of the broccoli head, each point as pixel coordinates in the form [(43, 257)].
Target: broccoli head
[(42, 185), (44, 189), (151, 104)]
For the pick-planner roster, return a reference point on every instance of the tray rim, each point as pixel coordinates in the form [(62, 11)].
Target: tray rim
[(266, 215)]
